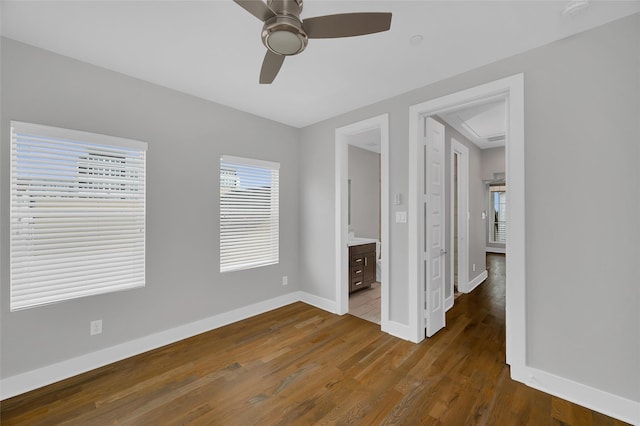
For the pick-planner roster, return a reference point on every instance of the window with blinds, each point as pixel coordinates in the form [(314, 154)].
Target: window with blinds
[(498, 232), (77, 214), (249, 213)]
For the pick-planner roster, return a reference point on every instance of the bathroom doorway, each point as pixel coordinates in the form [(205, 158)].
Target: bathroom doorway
[(364, 184), (364, 226)]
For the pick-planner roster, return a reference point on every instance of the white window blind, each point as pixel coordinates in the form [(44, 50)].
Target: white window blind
[(499, 216), (249, 213), (77, 214)]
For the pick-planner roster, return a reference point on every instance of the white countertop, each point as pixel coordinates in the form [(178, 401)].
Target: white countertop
[(356, 241)]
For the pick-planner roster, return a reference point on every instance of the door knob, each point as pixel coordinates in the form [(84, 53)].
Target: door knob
[(442, 252)]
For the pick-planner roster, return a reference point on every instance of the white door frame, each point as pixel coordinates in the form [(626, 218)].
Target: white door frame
[(463, 221), (512, 90), (342, 228)]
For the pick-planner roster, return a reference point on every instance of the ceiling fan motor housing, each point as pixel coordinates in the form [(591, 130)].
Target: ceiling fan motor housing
[(283, 34)]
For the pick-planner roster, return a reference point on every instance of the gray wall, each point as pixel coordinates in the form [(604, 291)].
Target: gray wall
[(186, 137), (492, 162), (364, 173), (582, 108)]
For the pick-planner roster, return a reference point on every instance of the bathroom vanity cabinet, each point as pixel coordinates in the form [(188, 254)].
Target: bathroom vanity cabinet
[(362, 266)]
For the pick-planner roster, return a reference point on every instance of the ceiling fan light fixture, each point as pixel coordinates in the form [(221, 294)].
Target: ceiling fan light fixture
[(284, 42), (284, 35)]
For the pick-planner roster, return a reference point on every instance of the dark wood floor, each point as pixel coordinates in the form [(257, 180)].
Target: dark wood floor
[(301, 365)]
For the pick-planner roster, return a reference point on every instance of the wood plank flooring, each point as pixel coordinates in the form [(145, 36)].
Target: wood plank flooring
[(299, 365)]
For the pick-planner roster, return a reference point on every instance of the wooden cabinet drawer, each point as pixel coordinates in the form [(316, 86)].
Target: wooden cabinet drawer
[(357, 260), (357, 272), (357, 284), (362, 266)]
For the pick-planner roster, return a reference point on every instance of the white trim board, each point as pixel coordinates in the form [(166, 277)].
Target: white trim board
[(34, 379), (578, 393), (401, 331), (471, 285), (319, 302), (462, 253)]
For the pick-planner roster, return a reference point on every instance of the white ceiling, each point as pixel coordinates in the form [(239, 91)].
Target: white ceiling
[(484, 124), (370, 140), (212, 49)]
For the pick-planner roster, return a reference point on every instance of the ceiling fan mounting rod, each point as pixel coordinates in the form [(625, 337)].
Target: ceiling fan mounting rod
[(286, 7)]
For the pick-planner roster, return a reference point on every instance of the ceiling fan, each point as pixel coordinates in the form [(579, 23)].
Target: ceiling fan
[(285, 34)]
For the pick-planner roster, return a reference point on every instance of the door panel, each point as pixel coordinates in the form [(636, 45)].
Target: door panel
[(433, 199)]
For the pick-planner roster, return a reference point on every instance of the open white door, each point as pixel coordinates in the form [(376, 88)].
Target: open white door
[(433, 237)]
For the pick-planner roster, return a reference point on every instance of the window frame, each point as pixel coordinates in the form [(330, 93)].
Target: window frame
[(261, 248), (71, 245)]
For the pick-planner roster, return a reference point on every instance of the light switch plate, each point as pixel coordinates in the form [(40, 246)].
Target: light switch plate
[(401, 217)]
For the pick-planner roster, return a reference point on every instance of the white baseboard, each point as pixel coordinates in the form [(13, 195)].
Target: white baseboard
[(448, 303), (401, 331), (318, 302), (501, 250), (476, 282), (30, 380), (578, 393)]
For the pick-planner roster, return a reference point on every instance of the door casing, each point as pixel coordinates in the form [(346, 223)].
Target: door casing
[(342, 135), (511, 89)]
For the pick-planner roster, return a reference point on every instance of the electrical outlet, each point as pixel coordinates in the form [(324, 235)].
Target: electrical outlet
[(95, 327), (285, 280), (474, 267)]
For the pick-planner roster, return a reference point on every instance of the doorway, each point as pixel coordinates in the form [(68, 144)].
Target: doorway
[(511, 90), (363, 170), (343, 136), (459, 220)]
